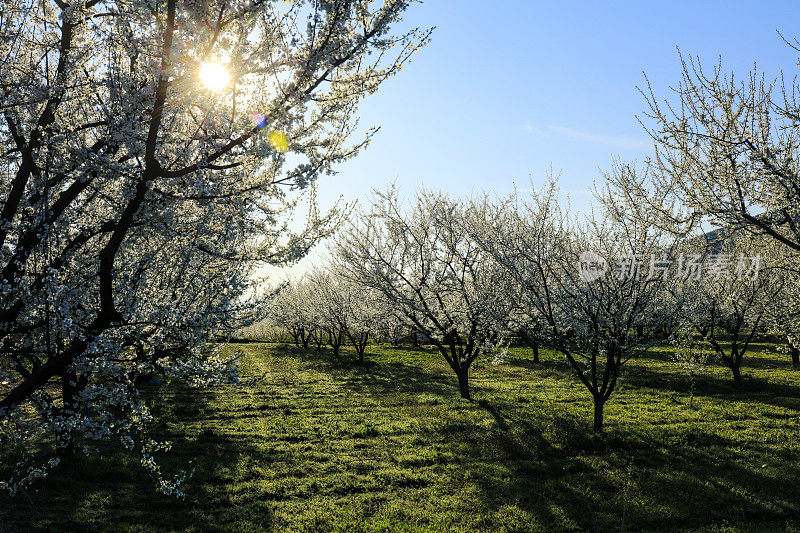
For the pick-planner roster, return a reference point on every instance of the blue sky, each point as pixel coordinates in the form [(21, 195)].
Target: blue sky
[(508, 88)]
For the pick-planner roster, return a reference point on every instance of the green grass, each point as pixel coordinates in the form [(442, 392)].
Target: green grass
[(326, 445)]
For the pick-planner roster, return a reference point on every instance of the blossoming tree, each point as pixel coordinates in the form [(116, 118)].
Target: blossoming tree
[(726, 153), (589, 314), (152, 152), (438, 281)]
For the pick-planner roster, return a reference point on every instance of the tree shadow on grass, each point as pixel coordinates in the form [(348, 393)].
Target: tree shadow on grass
[(398, 379), (565, 477), (110, 491), (752, 388), (524, 468), (557, 367), (755, 389), (380, 378), (711, 485), (758, 356), (387, 373)]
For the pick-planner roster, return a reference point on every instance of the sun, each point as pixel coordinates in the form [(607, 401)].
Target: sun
[(214, 76)]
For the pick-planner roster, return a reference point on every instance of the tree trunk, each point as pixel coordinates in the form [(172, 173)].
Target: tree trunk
[(639, 331), (794, 351), (66, 439), (463, 382), (363, 339), (535, 352), (737, 374), (598, 414)]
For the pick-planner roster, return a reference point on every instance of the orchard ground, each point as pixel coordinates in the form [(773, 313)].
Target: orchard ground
[(321, 444)]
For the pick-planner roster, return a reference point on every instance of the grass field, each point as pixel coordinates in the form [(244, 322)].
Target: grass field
[(327, 445)]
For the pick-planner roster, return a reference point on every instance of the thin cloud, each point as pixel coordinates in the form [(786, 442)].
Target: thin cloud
[(530, 128), (627, 143)]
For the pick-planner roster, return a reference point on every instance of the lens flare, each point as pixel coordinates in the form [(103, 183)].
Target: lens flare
[(214, 76), (259, 120), (279, 141)]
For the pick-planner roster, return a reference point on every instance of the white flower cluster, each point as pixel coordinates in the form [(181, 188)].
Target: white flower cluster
[(500, 357), (27, 476)]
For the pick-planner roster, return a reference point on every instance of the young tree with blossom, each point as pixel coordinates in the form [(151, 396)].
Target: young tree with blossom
[(783, 309), (726, 290), (691, 356), (332, 309), (290, 309), (347, 311)]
